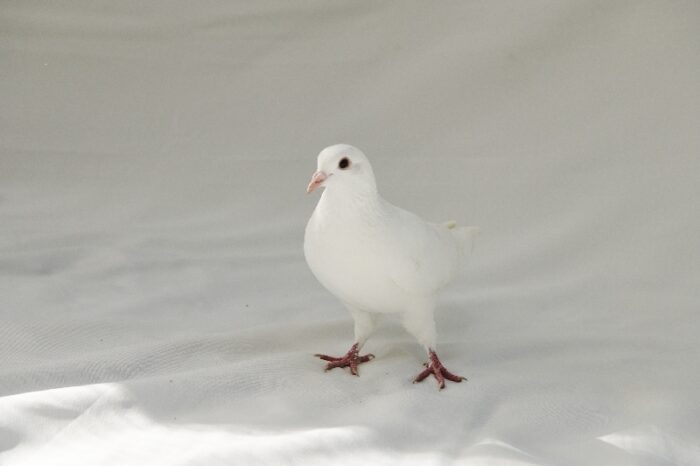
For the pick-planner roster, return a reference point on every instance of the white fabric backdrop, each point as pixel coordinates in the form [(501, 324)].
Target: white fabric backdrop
[(155, 304)]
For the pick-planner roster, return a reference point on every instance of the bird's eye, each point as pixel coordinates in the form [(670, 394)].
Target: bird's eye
[(344, 163)]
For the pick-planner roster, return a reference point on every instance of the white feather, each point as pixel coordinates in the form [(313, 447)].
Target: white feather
[(376, 257)]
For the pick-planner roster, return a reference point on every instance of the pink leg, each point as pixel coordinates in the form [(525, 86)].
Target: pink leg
[(435, 367), (351, 359)]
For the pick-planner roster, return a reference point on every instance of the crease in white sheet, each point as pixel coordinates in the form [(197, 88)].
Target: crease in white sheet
[(155, 307)]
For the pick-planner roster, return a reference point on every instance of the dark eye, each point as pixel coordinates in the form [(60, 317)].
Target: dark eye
[(344, 163)]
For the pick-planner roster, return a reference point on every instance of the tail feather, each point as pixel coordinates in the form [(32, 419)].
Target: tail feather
[(465, 235), (450, 224)]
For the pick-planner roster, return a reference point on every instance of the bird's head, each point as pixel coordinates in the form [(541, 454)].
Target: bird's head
[(343, 167)]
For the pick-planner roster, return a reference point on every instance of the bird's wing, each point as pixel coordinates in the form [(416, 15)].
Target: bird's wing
[(423, 256)]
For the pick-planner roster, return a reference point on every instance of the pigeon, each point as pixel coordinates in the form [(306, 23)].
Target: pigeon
[(379, 259)]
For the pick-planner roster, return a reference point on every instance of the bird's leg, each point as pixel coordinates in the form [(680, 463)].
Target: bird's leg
[(435, 367), (421, 324), (351, 359)]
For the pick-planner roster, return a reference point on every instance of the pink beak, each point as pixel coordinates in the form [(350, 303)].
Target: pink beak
[(316, 180)]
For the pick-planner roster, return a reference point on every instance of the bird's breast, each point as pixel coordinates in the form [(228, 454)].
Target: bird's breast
[(348, 261)]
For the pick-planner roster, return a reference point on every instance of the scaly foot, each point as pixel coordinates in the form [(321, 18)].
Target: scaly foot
[(352, 359), (435, 367)]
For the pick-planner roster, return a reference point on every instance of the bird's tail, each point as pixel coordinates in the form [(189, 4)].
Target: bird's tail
[(466, 236)]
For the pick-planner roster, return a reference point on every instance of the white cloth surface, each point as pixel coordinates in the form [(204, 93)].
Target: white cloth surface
[(156, 308)]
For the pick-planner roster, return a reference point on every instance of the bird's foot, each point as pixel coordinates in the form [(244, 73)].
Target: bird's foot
[(351, 359), (435, 367)]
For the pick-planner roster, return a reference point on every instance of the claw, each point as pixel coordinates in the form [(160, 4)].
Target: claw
[(439, 371), (327, 358), (351, 359)]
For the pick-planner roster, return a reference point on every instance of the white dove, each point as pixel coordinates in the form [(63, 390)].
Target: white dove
[(377, 258)]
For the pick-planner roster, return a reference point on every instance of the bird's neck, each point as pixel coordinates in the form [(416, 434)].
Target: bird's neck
[(356, 204)]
